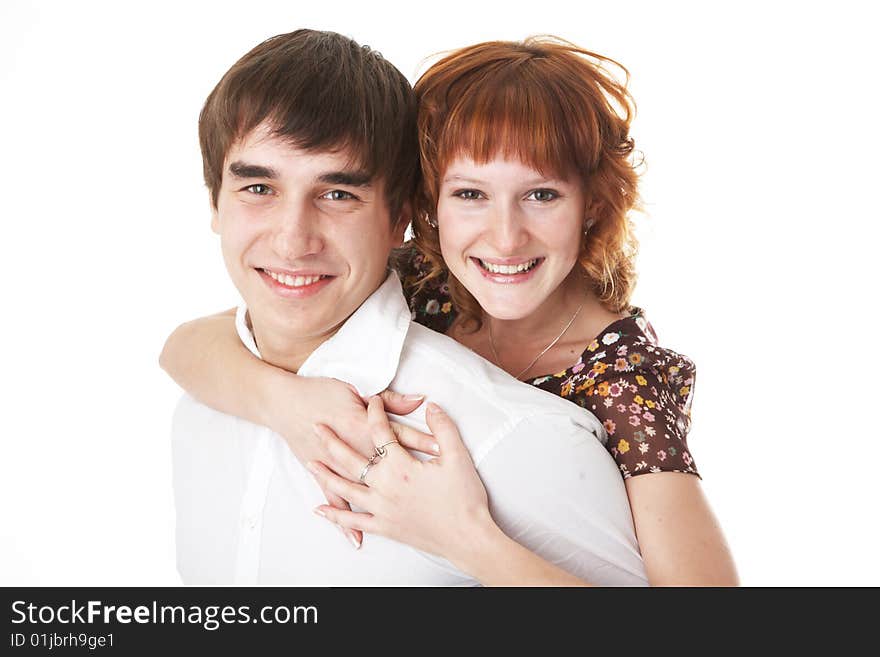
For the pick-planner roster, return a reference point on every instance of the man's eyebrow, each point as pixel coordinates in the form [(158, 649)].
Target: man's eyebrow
[(349, 178), (245, 170)]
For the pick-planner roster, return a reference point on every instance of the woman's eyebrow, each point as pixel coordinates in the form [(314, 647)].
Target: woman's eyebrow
[(534, 182), (463, 179), (244, 170)]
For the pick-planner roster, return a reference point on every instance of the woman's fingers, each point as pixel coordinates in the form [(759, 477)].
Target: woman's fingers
[(335, 500), (345, 460), (445, 432), (349, 520), (330, 481), (398, 403), (380, 427), (415, 439), (354, 536)]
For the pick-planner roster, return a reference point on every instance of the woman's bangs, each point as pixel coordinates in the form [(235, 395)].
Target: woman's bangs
[(510, 123)]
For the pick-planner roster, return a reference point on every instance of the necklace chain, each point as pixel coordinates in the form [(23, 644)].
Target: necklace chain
[(544, 351)]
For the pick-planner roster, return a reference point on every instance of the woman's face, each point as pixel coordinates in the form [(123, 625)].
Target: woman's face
[(510, 234)]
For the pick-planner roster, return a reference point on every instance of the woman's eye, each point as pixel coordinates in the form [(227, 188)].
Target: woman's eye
[(259, 189), (338, 195), (543, 195), (468, 194)]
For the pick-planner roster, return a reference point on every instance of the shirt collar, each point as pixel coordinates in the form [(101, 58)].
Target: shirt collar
[(365, 351)]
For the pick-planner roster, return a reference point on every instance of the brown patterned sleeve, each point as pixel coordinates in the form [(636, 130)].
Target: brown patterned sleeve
[(643, 400)]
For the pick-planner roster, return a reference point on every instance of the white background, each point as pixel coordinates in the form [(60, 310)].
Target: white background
[(759, 125)]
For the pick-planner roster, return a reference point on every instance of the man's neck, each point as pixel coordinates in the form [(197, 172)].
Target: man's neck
[(283, 350)]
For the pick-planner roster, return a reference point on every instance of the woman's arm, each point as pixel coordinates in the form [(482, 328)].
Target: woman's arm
[(679, 537), (644, 410), (207, 359)]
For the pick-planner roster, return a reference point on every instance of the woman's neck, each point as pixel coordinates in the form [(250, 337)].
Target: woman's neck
[(514, 344), (542, 325)]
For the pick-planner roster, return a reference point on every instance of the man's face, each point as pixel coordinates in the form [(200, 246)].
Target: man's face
[(305, 235)]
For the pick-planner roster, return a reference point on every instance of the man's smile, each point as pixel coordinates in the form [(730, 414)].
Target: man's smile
[(295, 285)]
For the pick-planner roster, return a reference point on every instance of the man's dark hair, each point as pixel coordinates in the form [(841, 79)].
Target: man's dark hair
[(323, 92)]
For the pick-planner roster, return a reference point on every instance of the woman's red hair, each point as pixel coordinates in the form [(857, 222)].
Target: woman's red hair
[(553, 106)]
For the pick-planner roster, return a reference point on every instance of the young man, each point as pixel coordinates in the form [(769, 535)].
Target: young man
[(310, 158)]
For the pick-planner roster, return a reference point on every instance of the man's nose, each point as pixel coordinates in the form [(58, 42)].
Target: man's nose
[(507, 232), (297, 232)]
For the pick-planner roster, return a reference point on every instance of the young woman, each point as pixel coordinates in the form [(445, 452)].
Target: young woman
[(523, 252)]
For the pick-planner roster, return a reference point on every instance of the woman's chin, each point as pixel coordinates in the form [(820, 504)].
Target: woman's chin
[(507, 309), (506, 302)]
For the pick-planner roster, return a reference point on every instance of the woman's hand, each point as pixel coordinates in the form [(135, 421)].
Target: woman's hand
[(438, 506), (298, 403), (294, 412), (208, 360), (435, 506)]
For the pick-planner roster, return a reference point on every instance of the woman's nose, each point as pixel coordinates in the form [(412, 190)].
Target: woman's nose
[(507, 233)]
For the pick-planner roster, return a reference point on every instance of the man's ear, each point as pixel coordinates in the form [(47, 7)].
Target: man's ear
[(401, 223), (215, 219)]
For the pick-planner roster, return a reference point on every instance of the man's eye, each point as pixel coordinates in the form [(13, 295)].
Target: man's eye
[(259, 189), (468, 194), (338, 195), (543, 195)]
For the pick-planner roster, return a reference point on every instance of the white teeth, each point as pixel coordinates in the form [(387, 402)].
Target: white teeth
[(293, 281), (508, 269)]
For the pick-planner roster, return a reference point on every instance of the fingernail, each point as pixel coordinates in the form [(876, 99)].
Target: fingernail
[(436, 448), (318, 512), (413, 397), (353, 540), (433, 408)]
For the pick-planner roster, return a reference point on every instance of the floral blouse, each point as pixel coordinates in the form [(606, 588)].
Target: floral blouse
[(641, 392)]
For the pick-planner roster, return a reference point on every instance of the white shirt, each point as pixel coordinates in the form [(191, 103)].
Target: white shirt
[(244, 503)]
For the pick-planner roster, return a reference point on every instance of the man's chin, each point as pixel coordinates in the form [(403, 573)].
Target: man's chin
[(288, 325)]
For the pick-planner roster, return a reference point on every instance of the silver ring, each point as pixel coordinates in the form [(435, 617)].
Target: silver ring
[(381, 451), (370, 463)]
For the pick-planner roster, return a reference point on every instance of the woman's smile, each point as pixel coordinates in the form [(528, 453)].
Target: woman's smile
[(520, 272)]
